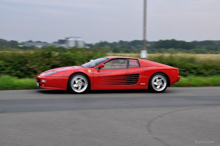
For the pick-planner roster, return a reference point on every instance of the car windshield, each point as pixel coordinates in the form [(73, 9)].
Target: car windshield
[(94, 63)]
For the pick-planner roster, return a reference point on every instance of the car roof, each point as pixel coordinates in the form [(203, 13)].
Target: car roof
[(114, 57)]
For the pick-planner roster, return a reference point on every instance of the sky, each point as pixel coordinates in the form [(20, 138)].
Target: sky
[(109, 20)]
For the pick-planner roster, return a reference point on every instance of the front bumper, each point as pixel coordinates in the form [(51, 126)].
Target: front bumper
[(38, 82), (57, 83)]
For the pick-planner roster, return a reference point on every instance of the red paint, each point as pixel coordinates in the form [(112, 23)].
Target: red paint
[(107, 79)]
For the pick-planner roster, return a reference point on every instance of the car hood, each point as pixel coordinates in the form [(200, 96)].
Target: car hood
[(60, 69), (65, 68)]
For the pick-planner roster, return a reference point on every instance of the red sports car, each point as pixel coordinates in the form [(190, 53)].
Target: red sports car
[(110, 73)]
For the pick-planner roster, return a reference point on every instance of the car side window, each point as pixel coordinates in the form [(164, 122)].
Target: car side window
[(116, 64), (133, 63)]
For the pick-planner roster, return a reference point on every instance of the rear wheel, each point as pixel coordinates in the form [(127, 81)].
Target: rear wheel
[(78, 83), (158, 83)]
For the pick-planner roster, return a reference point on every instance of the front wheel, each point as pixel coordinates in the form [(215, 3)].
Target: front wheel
[(158, 83), (78, 83)]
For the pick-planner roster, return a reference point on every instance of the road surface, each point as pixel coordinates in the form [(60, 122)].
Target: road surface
[(178, 117)]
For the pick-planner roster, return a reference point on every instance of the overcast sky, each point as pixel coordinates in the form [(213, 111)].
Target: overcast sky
[(109, 20)]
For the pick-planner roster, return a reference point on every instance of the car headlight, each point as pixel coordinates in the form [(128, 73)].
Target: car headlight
[(50, 73)]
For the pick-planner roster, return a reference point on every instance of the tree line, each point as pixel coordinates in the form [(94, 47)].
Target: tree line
[(161, 46)]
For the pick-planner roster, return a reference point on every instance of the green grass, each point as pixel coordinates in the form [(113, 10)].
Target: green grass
[(196, 81), (13, 83)]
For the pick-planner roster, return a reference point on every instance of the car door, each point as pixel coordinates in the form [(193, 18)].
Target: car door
[(112, 76), (135, 73)]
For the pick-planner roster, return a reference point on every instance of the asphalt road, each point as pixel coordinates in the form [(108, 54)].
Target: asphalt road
[(178, 117)]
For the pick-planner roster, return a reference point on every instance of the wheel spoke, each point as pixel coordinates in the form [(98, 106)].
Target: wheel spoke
[(75, 85), (80, 87)]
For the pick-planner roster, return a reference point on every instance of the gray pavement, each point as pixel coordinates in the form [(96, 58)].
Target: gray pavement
[(178, 117)]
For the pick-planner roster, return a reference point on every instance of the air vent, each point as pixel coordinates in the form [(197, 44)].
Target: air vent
[(130, 79)]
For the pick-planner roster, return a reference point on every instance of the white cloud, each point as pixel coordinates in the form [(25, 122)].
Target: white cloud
[(110, 20), (55, 12), (60, 3), (183, 19)]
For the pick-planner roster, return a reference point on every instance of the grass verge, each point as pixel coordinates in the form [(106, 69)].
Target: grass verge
[(12, 83), (196, 81)]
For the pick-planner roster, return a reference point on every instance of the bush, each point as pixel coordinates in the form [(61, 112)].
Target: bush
[(188, 65), (25, 64)]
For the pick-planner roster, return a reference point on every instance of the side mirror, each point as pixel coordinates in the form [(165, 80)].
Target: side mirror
[(101, 66)]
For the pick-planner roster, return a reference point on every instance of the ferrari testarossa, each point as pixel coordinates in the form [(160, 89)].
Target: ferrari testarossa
[(110, 73)]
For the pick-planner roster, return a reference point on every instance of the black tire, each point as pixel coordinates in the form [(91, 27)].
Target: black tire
[(158, 83), (78, 83)]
